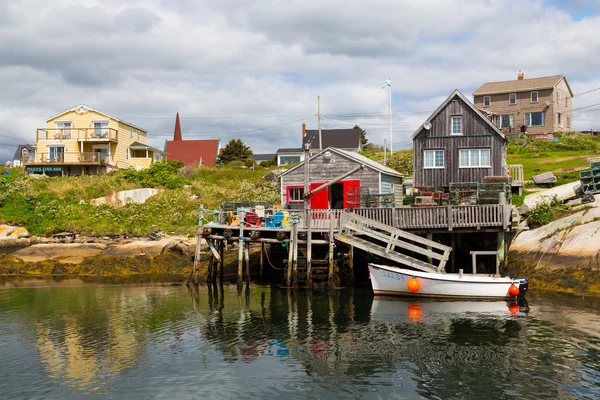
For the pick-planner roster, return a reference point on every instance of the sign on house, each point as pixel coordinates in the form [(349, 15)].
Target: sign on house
[(41, 169)]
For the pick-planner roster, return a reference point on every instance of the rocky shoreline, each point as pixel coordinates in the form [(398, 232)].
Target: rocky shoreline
[(73, 255), (564, 255)]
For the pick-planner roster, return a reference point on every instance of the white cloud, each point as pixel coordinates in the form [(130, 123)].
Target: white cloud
[(259, 66)]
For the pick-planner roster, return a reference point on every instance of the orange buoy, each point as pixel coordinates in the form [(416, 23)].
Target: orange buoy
[(514, 308), (414, 285), (513, 291)]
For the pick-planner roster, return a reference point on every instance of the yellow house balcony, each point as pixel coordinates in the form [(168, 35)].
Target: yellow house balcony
[(68, 158), (80, 134)]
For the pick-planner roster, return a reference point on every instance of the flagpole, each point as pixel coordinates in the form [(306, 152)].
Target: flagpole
[(391, 135)]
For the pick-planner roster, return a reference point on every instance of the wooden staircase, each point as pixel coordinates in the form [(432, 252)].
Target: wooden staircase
[(356, 231)]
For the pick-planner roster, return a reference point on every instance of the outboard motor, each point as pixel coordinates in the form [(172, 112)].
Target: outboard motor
[(521, 301)]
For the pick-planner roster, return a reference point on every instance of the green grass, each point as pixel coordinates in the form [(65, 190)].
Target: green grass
[(564, 164), (50, 205)]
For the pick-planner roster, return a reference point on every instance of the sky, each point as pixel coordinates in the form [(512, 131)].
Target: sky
[(253, 69)]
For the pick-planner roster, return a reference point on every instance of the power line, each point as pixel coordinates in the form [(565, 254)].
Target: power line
[(583, 108), (589, 91)]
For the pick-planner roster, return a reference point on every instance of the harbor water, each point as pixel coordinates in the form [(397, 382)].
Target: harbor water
[(72, 339)]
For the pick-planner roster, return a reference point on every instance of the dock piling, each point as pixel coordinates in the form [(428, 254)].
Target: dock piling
[(240, 274), (308, 250)]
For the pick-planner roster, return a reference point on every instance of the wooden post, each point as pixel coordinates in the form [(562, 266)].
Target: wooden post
[(453, 254), (351, 263), (331, 249), (199, 230), (262, 250), (211, 261), (500, 254), (429, 237), (247, 259), (308, 249), (222, 263), (295, 254), (240, 276), (290, 257)]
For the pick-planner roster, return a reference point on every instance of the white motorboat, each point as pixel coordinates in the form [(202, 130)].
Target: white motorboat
[(388, 280)]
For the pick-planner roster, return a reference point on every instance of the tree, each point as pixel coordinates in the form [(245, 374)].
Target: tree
[(363, 136), (235, 150)]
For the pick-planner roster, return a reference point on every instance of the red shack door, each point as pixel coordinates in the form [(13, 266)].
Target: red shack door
[(351, 193), (319, 200)]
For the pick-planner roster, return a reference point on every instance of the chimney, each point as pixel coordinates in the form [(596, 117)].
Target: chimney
[(177, 132), (520, 76)]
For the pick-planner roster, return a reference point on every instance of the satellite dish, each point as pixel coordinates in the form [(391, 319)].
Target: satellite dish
[(427, 125), (547, 102)]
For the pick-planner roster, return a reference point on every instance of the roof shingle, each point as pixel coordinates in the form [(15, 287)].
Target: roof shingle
[(524, 85)]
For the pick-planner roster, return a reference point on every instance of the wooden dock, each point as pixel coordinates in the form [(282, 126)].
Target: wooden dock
[(392, 233)]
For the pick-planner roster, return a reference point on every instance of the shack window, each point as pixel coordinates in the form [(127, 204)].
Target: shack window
[(474, 158), (434, 158), (512, 98), (456, 125), (487, 100), (295, 194)]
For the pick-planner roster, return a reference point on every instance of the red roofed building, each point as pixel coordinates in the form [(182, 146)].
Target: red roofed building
[(192, 152)]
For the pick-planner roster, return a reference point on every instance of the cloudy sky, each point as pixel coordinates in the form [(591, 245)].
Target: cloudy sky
[(253, 69)]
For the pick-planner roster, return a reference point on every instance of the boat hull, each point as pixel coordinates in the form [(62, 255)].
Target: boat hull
[(387, 280)]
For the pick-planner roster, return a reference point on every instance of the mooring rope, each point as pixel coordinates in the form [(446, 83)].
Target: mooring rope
[(269, 260)]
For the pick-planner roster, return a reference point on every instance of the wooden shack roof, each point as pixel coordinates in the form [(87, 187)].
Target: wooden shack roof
[(353, 156), (445, 103)]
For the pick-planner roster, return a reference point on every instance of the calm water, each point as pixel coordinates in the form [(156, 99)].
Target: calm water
[(133, 341)]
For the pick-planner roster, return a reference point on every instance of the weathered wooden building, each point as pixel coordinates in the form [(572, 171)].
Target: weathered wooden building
[(329, 164), (457, 143)]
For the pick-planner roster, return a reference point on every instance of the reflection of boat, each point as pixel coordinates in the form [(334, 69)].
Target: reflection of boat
[(404, 282), (392, 309)]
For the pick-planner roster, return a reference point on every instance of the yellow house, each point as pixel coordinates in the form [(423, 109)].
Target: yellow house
[(83, 140)]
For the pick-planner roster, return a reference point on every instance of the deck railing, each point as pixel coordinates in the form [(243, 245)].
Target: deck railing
[(516, 172), (67, 158), (412, 218), (409, 218), (91, 134)]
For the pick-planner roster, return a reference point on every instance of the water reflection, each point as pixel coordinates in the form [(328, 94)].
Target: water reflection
[(153, 341)]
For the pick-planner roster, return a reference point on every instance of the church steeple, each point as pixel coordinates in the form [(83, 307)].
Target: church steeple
[(177, 133)]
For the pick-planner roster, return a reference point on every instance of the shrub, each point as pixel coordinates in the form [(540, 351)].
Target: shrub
[(176, 163), (402, 161), (544, 212), (157, 175), (249, 163), (236, 164)]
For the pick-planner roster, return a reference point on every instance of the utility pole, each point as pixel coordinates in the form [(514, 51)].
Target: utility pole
[(384, 152), (391, 135), (319, 121)]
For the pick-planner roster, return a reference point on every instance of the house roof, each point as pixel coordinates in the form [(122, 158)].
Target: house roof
[(463, 98), (19, 152), (142, 146), (523, 85), (191, 151), (263, 157), (289, 150), (338, 138), (82, 108), (353, 156)]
